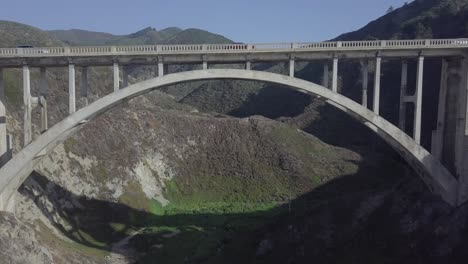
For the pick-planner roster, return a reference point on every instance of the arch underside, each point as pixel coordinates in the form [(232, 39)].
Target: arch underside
[(434, 174)]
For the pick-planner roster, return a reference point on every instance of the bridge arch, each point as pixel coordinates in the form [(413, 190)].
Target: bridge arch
[(434, 174)]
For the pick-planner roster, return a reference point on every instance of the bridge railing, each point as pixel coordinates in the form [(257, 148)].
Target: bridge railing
[(236, 47)]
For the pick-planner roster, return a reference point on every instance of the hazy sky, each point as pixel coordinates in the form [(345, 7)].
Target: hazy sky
[(239, 20)]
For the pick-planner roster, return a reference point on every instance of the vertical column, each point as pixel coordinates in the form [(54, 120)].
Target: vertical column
[(438, 135), (27, 105), (325, 75), (291, 66), (418, 101), (248, 65), (116, 76), (43, 91), (403, 94), (365, 82), (160, 68), (71, 88), (84, 84), (3, 131), (378, 62), (125, 77), (335, 75), (205, 65)]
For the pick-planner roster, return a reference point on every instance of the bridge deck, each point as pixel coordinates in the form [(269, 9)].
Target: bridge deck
[(228, 53)]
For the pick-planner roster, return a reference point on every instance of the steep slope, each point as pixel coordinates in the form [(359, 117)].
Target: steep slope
[(197, 36)]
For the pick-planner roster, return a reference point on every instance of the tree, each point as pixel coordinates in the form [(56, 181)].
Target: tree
[(390, 9)]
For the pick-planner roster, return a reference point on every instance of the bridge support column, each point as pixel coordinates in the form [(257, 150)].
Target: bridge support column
[(418, 101), (365, 81), (160, 69), (27, 105), (71, 89), (43, 87), (335, 75), (325, 75), (291, 67), (438, 134), (378, 62), (125, 76), (84, 85), (5, 145), (248, 65), (403, 94), (205, 65), (116, 76)]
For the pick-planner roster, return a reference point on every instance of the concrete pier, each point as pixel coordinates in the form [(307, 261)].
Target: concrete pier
[(71, 89), (291, 67), (160, 69), (248, 65), (3, 130), (27, 105), (325, 75), (335, 75), (403, 94), (418, 101), (84, 84), (205, 65), (378, 62), (124, 77), (438, 135), (116, 72), (365, 81), (43, 92)]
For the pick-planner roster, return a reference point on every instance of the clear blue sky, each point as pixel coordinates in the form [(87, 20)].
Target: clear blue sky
[(239, 20)]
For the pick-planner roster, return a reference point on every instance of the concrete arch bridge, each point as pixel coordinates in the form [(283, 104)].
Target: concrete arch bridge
[(450, 145)]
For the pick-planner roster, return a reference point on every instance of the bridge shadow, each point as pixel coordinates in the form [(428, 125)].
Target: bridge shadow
[(199, 237)]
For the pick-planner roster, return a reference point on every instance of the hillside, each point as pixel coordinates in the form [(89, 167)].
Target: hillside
[(14, 34), (146, 36)]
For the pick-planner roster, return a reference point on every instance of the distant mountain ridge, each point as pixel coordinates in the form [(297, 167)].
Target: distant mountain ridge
[(146, 36)]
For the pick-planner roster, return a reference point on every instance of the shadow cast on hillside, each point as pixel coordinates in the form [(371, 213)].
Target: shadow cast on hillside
[(106, 225)]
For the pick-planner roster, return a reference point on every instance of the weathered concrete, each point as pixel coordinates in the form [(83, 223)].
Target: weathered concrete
[(71, 89), (27, 130), (248, 65), (84, 84), (325, 79), (291, 67), (44, 117), (3, 129), (430, 169), (365, 81), (335, 75), (418, 101), (403, 94), (116, 72), (160, 69), (124, 77), (438, 134), (376, 107)]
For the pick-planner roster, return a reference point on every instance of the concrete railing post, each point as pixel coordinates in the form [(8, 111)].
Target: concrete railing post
[(378, 62), (418, 101), (27, 105), (71, 89)]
